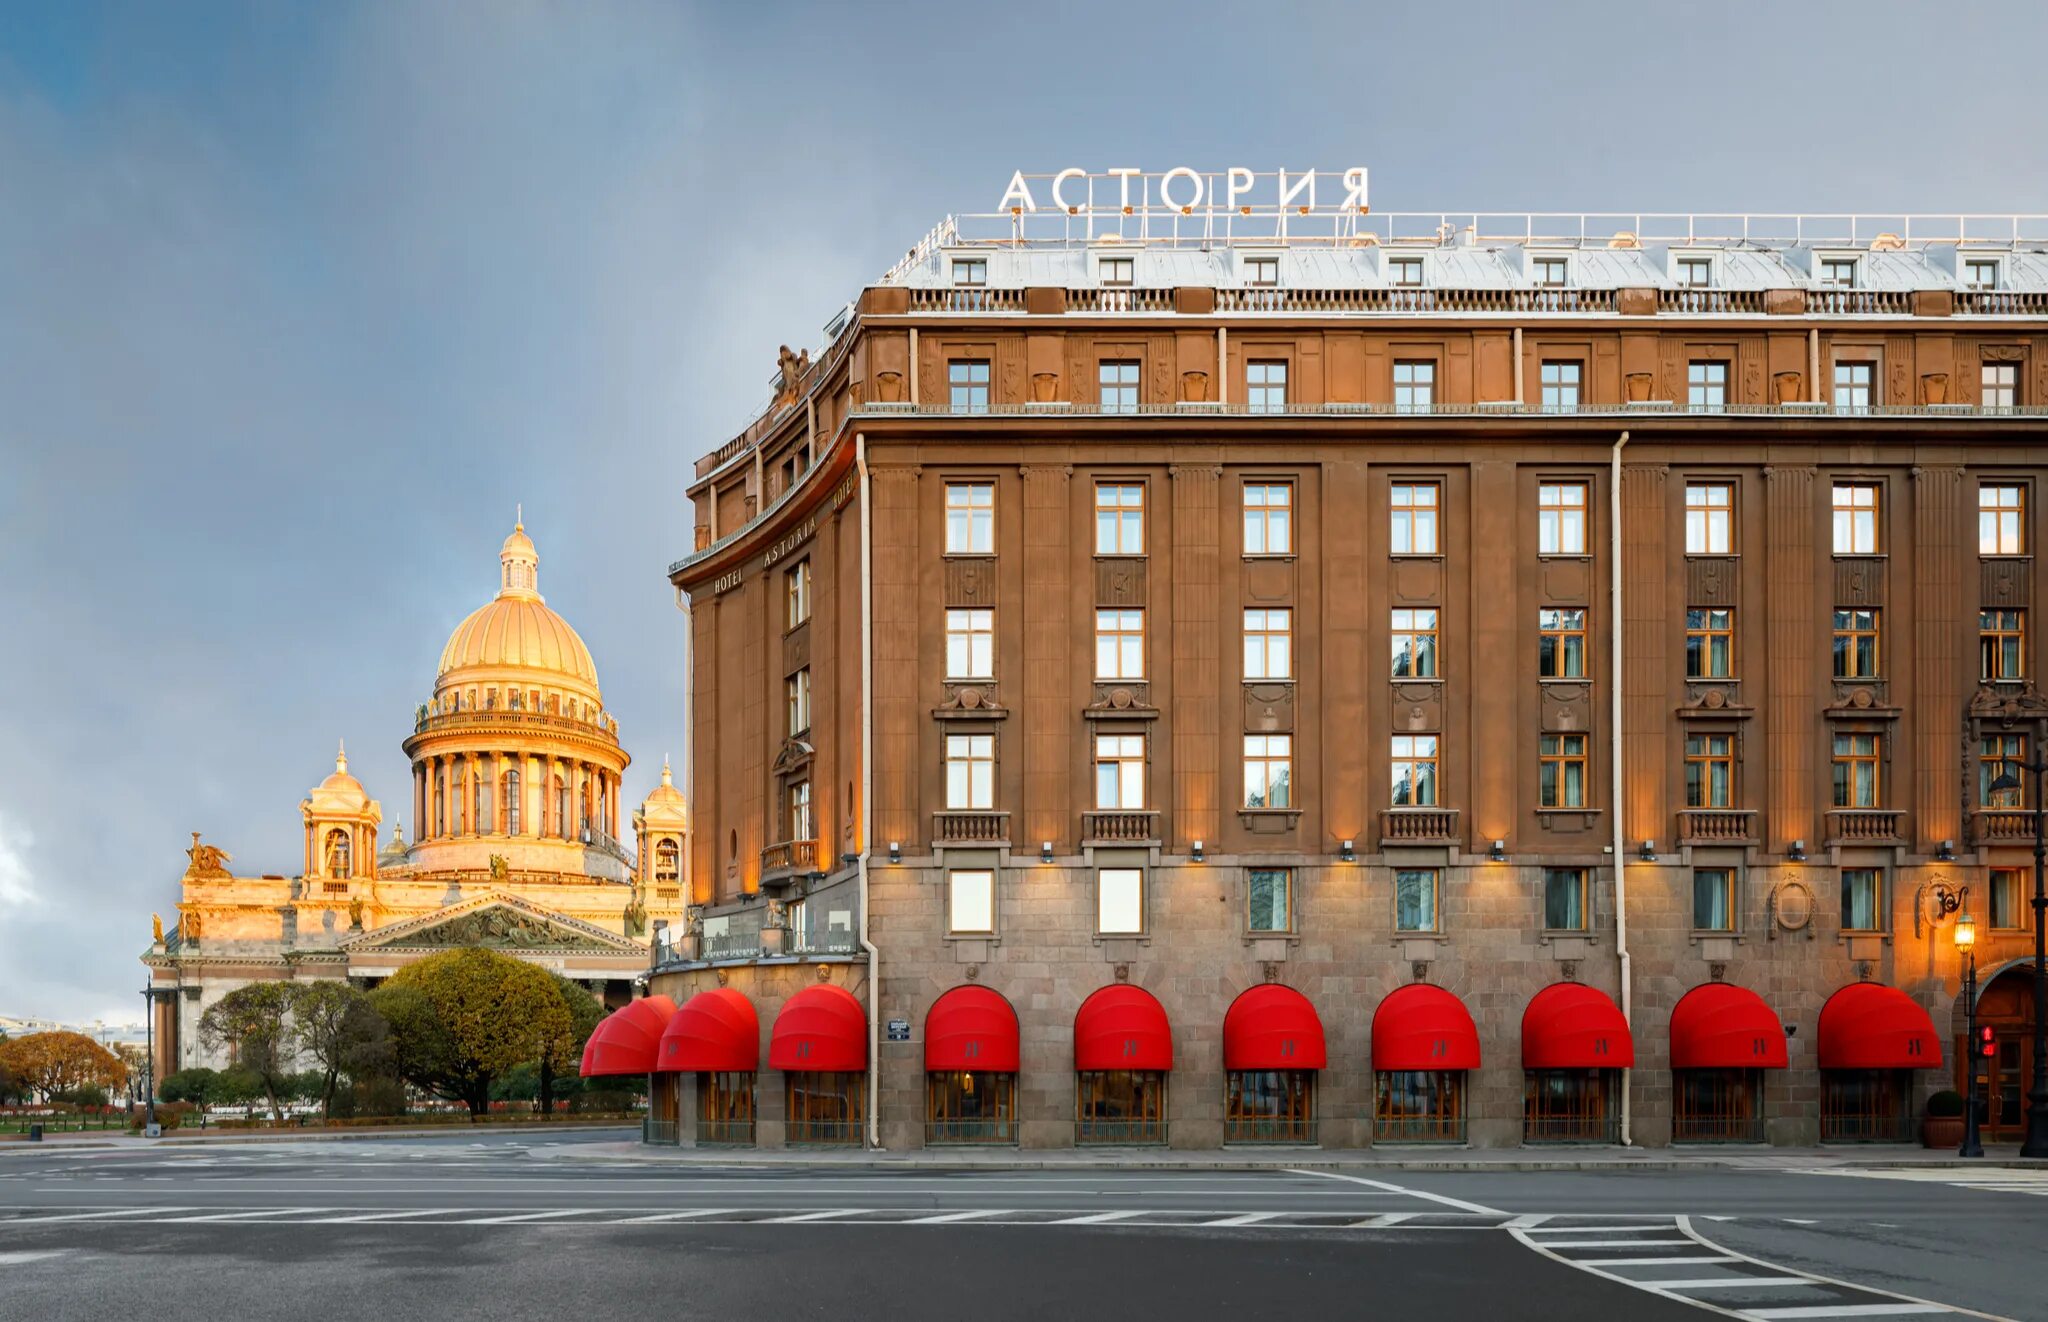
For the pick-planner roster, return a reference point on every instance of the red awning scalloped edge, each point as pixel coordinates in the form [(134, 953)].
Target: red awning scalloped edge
[(625, 1041), (1422, 1027), (821, 1029), (1570, 1026), (1869, 1026), (1719, 1026), (1121, 1027), (716, 1032), (971, 1028), (1271, 1027)]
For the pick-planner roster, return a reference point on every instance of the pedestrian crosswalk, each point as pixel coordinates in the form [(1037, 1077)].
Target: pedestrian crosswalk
[(1665, 1256), (1995, 1179)]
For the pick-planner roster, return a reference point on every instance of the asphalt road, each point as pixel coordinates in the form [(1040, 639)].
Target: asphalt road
[(519, 1226)]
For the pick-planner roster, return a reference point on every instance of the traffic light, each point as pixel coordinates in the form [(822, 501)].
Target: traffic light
[(1987, 1045)]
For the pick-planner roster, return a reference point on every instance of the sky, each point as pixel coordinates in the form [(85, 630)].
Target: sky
[(299, 301)]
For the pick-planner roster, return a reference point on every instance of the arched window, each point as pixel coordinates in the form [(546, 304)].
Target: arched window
[(337, 854), (512, 802), (441, 804), (667, 867), (461, 796), (480, 819)]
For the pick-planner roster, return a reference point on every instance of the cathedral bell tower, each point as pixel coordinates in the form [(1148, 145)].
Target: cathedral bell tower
[(341, 828)]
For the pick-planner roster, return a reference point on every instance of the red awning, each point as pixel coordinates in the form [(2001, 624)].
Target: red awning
[(1421, 1027), (1869, 1026), (1272, 1027), (1718, 1026), (1122, 1027), (716, 1032), (625, 1040), (821, 1029), (971, 1028), (1570, 1026)]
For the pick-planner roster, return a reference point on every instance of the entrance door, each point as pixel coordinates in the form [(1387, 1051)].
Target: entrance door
[(2007, 1008)]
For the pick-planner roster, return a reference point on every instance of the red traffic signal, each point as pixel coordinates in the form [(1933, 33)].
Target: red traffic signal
[(1987, 1045)]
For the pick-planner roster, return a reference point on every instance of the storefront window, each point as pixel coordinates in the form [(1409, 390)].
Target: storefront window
[(1571, 1106), (725, 1108), (1717, 1106), (826, 1108), (1419, 1106), (1865, 1106), (1270, 1106), (970, 1106), (1121, 1106)]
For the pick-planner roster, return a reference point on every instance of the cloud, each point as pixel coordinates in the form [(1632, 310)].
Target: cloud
[(17, 887)]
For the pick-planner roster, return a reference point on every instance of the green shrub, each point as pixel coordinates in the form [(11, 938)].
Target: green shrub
[(193, 1085), (1945, 1105)]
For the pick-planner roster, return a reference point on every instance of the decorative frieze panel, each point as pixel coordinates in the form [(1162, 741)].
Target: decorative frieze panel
[(1859, 580), (1418, 581), (796, 649), (1417, 708), (1710, 580), (2007, 582), (1566, 582), (1566, 706), (1269, 708), (1120, 581), (971, 582)]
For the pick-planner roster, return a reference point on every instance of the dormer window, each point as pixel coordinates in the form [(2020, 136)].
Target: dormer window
[(1695, 272), (1980, 273), (1262, 270), (1405, 272), (970, 271), (1118, 270), (1550, 272), (1838, 272)]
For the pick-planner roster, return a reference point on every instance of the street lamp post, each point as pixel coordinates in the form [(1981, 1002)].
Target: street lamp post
[(1966, 942), (2036, 1144), (149, 1061)]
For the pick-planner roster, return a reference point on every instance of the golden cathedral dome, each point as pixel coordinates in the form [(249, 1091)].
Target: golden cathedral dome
[(516, 632)]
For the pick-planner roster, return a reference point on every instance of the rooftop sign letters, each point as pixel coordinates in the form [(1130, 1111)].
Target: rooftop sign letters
[(1128, 190)]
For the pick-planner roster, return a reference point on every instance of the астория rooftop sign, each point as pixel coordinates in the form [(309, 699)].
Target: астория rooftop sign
[(1075, 191)]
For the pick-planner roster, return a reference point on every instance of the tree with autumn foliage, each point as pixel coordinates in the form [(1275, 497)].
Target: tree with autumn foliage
[(461, 1018), (47, 1064), (254, 1023)]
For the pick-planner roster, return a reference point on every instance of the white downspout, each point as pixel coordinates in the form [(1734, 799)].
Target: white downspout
[(867, 786), (1617, 771)]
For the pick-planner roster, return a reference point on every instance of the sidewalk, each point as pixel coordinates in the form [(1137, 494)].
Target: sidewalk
[(114, 1138)]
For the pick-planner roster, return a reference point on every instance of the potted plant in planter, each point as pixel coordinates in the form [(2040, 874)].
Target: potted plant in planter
[(1943, 1125)]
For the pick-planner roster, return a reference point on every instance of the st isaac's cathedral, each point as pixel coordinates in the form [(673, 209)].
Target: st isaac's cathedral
[(516, 768)]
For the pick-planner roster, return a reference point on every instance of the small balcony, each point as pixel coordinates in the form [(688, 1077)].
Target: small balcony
[(779, 862), (1120, 826), (1717, 826), (1861, 826), (2000, 826), (1419, 826), (955, 826)]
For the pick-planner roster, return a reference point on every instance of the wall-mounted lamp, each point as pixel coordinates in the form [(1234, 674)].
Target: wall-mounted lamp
[(1347, 852), (1045, 851), (895, 851), (1948, 851), (1499, 852), (1648, 851), (1198, 851), (1798, 851)]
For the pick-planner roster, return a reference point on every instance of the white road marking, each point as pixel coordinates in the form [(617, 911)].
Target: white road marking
[(945, 1218), (1691, 1260), (105, 1214), (1713, 1282), (1848, 1310), (244, 1214), (30, 1255), (828, 1214), (1606, 1243), (1458, 1203), (1247, 1219), (532, 1216), (674, 1216), (1098, 1218), (390, 1216)]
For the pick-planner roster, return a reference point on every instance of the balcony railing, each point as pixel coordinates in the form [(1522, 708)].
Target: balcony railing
[(1710, 300), (955, 826), (1119, 300), (790, 856), (966, 298), (1892, 302), (1419, 826), (1716, 826), (1121, 826), (1990, 826), (1856, 825)]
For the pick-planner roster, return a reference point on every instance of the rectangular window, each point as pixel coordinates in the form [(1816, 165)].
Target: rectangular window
[(1980, 273), (1862, 900), (1118, 382), (1852, 386), (970, 518), (1415, 900), (1268, 518), (1856, 510), (1120, 901), (1560, 386), (1561, 771), (1713, 899), (1856, 651), (1709, 519), (1414, 387), (1414, 634), (1268, 641), (1709, 771), (967, 382), (1268, 760), (2002, 645), (1551, 272), (1118, 270), (970, 644), (1561, 518), (1414, 767), (1706, 385), (1857, 782), (970, 903), (1119, 644), (1271, 894), (1404, 272), (1561, 642), (1265, 387), (2006, 901), (1119, 518), (1839, 272), (971, 771), (1262, 270), (1414, 507), (1564, 899), (796, 591), (2001, 520), (1120, 771), (797, 689), (1709, 643), (1998, 388), (1695, 272), (970, 271), (800, 810), (1998, 754)]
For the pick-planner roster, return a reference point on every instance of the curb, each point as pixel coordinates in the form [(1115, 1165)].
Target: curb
[(189, 1138)]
